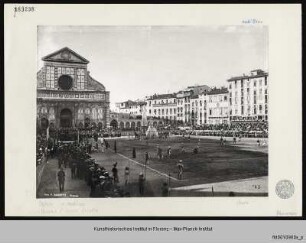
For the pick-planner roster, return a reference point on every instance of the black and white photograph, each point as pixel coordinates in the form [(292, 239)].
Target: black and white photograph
[(152, 111)]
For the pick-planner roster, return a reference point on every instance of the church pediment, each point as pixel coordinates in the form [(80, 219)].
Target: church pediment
[(65, 55)]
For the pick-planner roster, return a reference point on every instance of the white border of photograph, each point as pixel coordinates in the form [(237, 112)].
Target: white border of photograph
[(285, 107)]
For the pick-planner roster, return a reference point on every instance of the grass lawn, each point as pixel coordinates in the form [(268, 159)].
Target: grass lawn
[(213, 163)]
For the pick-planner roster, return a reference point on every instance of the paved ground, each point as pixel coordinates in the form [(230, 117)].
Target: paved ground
[(231, 168), (49, 187)]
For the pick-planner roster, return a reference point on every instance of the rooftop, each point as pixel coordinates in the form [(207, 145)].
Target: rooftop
[(221, 90), (259, 73), (162, 96)]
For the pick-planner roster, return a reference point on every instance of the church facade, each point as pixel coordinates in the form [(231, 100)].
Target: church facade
[(67, 96)]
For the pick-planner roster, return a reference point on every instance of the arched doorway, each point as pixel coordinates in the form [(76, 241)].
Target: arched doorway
[(121, 125), (66, 118), (133, 125), (114, 124)]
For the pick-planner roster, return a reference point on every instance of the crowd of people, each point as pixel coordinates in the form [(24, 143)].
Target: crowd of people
[(83, 167), (244, 129), (240, 126), (41, 148)]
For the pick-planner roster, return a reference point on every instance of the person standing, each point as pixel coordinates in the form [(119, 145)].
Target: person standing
[(182, 149), (169, 152), (160, 153), (147, 158), (180, 167), (127, 175), (165, 189), (115, 173), (141, 182), (134, 153), (61, 179), (196, 149), (73, 169)]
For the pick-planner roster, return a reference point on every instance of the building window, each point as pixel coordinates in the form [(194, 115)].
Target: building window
[(80, 79), (254, 83), (87, 111), (94, 113), (100, 113), (230, 86), (50, 77), (266, 81), (254, 110)]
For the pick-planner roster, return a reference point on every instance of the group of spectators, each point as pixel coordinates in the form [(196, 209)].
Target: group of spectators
[(41, 148), (240, 126), (84, 167), (244, 129)]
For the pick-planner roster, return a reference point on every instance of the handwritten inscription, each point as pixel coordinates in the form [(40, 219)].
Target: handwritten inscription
[(251, 21)]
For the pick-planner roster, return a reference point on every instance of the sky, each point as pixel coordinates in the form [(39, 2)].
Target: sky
[(135, 61)]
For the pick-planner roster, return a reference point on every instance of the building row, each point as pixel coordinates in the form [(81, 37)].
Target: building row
[(68, 96), (245, 98)]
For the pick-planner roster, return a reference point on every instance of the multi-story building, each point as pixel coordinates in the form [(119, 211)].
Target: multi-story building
[(183, 106), (133, 108), (67, 95), (162, 106), (248, 96), (191, 105), (217, 106), (202, 108)]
